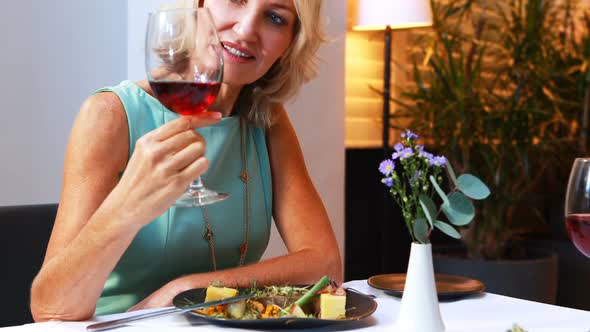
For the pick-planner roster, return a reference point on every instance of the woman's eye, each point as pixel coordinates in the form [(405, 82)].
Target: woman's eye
[(239, 2), (276, 19)]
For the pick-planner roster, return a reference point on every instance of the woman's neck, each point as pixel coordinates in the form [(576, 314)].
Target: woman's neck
[(226, 99)]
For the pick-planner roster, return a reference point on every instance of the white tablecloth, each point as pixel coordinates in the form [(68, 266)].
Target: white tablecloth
[(485, 312)]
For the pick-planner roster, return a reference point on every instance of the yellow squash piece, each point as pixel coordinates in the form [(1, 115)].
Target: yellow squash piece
[(219, 293), (332, 306)]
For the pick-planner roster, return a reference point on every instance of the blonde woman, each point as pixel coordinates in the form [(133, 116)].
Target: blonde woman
[(117, 244)]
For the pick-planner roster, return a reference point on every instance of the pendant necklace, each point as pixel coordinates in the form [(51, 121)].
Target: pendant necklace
[(245, 177)]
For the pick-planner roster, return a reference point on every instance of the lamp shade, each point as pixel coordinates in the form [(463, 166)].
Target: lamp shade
[(398, 14)]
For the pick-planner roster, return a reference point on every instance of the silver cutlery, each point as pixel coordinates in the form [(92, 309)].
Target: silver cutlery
[(162, 312)]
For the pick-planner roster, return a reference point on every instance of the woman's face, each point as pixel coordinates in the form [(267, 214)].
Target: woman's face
[(254, 34)]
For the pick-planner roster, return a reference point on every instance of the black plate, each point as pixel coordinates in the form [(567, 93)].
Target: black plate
[(449, 287), (358, 306)]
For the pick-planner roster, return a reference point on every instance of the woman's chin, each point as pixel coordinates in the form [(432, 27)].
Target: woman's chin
[(235, 79)]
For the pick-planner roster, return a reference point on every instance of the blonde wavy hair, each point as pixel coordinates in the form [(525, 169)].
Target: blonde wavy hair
[(295, 67)]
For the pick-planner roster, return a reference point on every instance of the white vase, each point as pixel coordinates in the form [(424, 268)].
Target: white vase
[(419, 310)]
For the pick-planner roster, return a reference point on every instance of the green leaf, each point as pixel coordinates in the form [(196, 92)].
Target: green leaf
[(429, 208), (472, 186), (440, 192), (447, 229), (421, 229), (451, 174), (459, 209)]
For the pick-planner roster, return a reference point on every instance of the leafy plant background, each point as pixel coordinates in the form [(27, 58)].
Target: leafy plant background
[(502, 90)]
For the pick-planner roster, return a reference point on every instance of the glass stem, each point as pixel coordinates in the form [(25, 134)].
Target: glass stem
[(196, 185)]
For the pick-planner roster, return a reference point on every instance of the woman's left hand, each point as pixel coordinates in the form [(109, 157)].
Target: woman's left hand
[(163, 297), (158, 299)]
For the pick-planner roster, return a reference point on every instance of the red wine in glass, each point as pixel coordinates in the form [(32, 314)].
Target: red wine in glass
[(185, 98), (577, 205), (578, 228)]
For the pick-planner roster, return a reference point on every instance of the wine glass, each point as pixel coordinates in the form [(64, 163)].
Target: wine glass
[(184, 65), (577, 205)]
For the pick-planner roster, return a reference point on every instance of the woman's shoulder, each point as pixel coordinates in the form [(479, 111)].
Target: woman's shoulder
[(100, 107), (103, 115), (103, 101), (99, 132), (281, 132), (108, 104), (125, 91), (278, 115)]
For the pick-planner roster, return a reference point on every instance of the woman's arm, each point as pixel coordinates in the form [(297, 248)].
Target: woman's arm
[(301, 220), (99, 215)]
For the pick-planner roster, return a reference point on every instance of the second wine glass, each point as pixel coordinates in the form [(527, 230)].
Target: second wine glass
[(184, 65), (577, 205)]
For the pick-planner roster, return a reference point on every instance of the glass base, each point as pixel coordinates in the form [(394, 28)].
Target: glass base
[(192, 198)]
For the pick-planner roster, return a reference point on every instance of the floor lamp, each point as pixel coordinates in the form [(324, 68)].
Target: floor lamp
[(388, 15)]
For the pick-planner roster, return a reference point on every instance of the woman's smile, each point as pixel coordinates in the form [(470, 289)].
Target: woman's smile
[(234, 53)]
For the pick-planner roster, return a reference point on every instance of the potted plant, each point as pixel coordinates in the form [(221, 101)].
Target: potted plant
[(502, 97)]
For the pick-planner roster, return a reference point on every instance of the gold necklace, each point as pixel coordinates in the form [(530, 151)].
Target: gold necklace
[(245, 177)]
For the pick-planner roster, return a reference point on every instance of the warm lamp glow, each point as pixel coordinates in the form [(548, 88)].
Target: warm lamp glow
[(389, 15), (398, 14)]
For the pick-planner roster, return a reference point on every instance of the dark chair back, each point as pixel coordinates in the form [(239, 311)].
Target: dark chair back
[(24, 234)]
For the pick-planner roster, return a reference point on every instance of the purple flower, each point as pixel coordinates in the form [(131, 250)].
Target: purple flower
[(386, 167), (406, 153), (399, 147), (427, 155), (439, 161), (410, 135), (388, 182), (419, 147)]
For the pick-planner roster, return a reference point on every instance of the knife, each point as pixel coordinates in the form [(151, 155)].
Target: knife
[(166, 311)]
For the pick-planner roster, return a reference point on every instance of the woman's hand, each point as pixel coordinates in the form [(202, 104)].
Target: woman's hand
[(162, 166), (158, 299), (163, 296)]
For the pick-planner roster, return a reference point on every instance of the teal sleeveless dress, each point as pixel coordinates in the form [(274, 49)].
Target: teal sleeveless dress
[(173, 244)]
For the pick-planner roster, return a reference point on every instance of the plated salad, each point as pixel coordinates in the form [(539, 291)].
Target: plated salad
[(324, 300)]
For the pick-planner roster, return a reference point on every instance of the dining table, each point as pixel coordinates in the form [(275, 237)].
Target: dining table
[(480, 311)]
